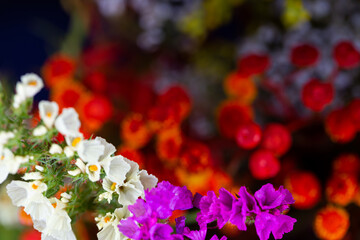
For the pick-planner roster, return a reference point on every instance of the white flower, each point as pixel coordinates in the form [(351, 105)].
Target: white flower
[(74, 172), (149, 181), (29, 195), (58, 225), (93, 170), (80, 164), (48, 112), (39, 131), (130, 192), (32, 84), (90, 150), (9, 164), (39, 168), (55, 149), (73, 142), (108, 224), (4, 137), (116, 169), (68, 123)]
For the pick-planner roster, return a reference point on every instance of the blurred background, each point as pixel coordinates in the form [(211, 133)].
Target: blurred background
[(205, 93)]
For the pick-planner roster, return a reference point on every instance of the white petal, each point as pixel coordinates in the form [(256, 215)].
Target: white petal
[(109, 232), (39, 207), (129, 194), (39, 131), (90, 150), (117, 169), (68, 122), (17, 191), (108, 150), (55, 149), (32, 176), (94, 176), (149, 181), (80, 164), (68, 152), (4, 172)]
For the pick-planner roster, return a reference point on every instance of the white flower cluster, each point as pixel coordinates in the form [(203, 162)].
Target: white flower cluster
[(122, 176)]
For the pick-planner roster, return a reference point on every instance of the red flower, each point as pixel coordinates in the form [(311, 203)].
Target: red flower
[(30, 234), (331, 223), (305, 188), (178, 98), (195, 156), (58, 68), (304, 55), (354, 112), (347, 164), (253, 64), (248, 135), (276, 138), (231, 116), (96, 82), (340, 126), (263, 164), (168, 144), (346, 55), (341, 189), (316, 95)]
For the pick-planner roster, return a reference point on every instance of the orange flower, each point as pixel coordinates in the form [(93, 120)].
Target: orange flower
[(357, 196), (62, 190), (24, 218), (162, 117), (134, 131), (305, 188), (168, 144), (331, 223), (341, 189), (132, 154), (240, 87), (347, 164), (67, 94), (57, 69), (231, 115)]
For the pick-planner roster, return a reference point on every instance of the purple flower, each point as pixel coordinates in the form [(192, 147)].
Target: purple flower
[(216, 238), (238, 217), (268, 198), (208, 209), (265, 223), (180, 224), (226, 200), (249, 204), (160, 231)]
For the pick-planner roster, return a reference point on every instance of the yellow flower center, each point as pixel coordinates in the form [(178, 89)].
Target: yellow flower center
[(34, 186), (75, 141), (48, 114), (113, 186), (32, 83), (93, 168), (2, 158), (106, 219), (54, 205)]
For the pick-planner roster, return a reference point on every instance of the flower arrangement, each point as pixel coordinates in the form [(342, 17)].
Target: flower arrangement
[(64, 174)]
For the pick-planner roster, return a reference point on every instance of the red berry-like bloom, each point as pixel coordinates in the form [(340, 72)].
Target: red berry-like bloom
[(96, 82), (304, 55), (248, 135), (231, 116), (331, 223), (57, 69), (276, 138), (253, 64), (354, 112), (346, 55), (339, 126), (178, 98), (341, 189), (316, 95), (31, 234), (195, 156), (98, 108), (347, 164), (263, 164), (305, 188)]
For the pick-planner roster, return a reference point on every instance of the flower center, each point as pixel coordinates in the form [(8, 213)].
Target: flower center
[(32, 83), (2, 158), (113, 187), (75, 141), (93, 168), (48, 114), (54, 205), (106, 219), (34, 186)]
